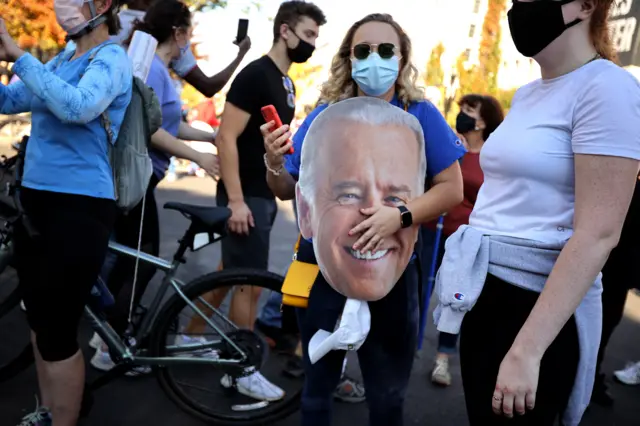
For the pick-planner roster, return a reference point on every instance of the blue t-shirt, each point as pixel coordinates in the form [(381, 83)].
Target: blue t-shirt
[(67, 150), (442, 146), (161, 83)]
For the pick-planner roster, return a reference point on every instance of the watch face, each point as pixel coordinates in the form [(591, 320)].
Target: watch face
[(406, 218)]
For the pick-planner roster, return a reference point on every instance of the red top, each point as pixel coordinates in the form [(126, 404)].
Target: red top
[(207, 113), (472, 177)]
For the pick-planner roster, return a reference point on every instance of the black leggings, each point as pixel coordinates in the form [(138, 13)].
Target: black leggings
[(487, 333), (619, 275), (58, 267), (126, 232)]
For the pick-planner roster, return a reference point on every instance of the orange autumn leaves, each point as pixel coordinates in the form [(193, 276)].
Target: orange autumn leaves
[(32, 23)]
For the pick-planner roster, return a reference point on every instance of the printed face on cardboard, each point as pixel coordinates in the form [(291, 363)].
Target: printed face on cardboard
[(358, 166)]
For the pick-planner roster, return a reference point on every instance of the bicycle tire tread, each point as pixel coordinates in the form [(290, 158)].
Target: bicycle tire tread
[(198, 286)]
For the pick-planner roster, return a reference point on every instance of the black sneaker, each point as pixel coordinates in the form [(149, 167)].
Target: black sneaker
[(600, 394), (276, 338)]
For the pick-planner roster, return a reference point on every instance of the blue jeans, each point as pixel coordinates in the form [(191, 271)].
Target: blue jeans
[(386, 357), (270, 314), (446, 342)]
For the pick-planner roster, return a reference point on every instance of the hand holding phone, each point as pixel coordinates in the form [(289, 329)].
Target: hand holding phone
[(243, 28), (270, 114)]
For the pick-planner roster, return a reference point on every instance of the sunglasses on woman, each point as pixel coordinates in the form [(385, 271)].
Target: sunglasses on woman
[(363, 50)]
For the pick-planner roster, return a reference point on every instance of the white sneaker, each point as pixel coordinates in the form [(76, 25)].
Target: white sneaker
[(96, 341), (441, 375), (102, 361), (255, 385), (630, 375), (182, 339)]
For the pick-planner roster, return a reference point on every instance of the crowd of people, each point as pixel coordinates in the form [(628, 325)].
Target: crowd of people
[(540, 206)]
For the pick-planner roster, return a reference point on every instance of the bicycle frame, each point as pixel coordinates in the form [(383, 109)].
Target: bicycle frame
[(101, 326), (111, 338)]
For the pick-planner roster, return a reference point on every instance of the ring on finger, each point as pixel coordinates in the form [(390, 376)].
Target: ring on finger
[(497, 398)]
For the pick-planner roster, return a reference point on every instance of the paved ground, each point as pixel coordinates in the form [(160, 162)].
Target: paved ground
[(141, 402)]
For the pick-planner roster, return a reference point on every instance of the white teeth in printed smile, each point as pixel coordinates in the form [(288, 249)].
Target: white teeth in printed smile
[(368, 255)]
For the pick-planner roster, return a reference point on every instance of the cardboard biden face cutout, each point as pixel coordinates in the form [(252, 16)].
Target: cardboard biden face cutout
[(359, 153)]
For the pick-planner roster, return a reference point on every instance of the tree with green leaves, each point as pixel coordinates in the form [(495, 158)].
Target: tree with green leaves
[(435, 73)]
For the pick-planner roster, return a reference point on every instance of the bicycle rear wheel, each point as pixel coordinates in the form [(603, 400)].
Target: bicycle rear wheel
[(227, 407), (16, 353)]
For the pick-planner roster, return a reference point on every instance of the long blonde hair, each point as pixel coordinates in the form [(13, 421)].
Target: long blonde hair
[(341, 86)]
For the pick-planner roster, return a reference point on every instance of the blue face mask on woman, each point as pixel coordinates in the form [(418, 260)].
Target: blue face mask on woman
[(374, 75)]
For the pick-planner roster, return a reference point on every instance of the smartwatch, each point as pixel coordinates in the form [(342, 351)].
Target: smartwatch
[(406, 219)]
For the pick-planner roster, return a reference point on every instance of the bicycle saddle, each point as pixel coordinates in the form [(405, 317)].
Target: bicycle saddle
[(214, 219)]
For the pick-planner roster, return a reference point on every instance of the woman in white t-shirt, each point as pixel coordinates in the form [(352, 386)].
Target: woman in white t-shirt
[(559, 175)]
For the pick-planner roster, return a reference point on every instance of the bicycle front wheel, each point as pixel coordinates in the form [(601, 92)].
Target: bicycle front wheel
[(213, 393)]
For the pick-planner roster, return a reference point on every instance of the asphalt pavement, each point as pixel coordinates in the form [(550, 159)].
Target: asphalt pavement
[(134, 402)]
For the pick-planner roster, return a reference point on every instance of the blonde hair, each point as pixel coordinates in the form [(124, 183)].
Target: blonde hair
[(341, 86)]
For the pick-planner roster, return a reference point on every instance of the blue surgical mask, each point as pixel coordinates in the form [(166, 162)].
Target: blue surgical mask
[(374, 75), (185, 63), (184, 49)]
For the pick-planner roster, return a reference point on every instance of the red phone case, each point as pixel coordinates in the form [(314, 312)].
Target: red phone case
[(270, 114)]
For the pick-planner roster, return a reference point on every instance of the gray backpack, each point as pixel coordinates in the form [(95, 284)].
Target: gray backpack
[(129, 154)]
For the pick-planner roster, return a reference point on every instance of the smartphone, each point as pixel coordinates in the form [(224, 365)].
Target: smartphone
[(243, 27), (270, 114)]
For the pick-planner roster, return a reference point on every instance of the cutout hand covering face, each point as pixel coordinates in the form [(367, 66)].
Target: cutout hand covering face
[(359, 153)]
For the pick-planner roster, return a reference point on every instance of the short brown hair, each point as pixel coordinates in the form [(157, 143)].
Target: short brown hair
[(491, 111), (290, 13)]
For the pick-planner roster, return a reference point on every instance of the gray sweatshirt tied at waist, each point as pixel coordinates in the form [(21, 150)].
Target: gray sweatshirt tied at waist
[(471, 255)]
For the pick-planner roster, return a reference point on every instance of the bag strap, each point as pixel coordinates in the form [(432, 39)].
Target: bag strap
[(106, 122), (297, 247)]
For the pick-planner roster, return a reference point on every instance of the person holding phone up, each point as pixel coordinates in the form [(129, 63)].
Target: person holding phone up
[(374, 59), (243, 187), (184, 66)]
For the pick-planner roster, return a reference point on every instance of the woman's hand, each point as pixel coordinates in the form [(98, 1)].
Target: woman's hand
[(243, 46), (383, 222), (276, 143), (210, 164), (9, 50), (517, 384)]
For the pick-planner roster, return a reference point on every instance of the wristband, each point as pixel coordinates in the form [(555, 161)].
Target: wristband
[(277, 172)]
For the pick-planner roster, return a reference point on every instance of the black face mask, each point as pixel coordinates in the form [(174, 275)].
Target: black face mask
[(534, 25), (465, 123), (302, 52)]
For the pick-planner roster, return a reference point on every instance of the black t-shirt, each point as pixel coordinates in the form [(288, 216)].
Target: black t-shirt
[(630, 235), (259, 84)]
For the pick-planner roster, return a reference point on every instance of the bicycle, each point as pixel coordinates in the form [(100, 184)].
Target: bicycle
[(237, 350)]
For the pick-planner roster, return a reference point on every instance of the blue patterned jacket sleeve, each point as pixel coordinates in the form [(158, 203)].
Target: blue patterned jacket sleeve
[(16, 98), (106, 77)]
